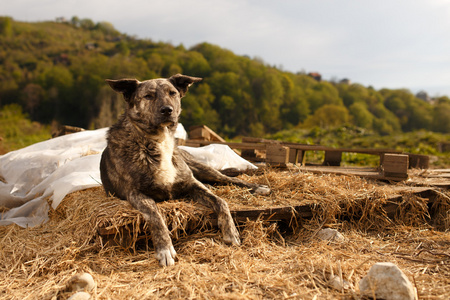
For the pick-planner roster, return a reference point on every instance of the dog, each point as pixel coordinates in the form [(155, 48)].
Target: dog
[(141, 163)]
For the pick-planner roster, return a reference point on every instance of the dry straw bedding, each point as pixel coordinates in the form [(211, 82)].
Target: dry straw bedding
[(275, 261)]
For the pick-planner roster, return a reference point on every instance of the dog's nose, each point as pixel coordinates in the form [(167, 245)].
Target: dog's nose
[(166, 110)]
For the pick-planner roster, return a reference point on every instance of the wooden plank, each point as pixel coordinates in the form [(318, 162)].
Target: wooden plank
[(261, 146), (353, 150), (203, 132), (231, 145), (254, 155), (284, 213), (306, 147), (248, 139), (199, 133), (366, 172)]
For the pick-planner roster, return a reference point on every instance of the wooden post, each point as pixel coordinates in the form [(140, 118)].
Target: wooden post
[(395, 165), (293, 156), (332, 158), (277, 155)]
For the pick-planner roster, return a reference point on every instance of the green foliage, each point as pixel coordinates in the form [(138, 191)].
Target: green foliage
[(5, 26), (441, 120), (17, 131), (327, 116), (361, 115), (56, 72)]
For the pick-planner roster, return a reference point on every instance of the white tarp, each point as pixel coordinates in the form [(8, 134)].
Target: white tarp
[(70, 163)]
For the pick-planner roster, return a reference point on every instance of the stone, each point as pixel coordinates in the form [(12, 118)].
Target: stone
[(80, 296), (331, 235), (339, 284), (386, 281), (81, 282)]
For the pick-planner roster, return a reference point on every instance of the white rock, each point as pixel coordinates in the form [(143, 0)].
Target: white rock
[(339, 284), (80, 296), (331, 235), (386, 281), (81, 282)]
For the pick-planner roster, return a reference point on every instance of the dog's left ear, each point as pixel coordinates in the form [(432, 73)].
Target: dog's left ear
[(125, 86), (183, 82)]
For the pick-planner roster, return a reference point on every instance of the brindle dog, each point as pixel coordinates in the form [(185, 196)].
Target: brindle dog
[(142, 164)]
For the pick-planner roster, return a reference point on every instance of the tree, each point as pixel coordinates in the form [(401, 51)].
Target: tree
[(75, 21), (294, 108), (322, 93), (327, 116), (197, 108), (6, 26), (360, 115), (31, 97), (87, 24), (441, 117), (47, 68), (412, 112)]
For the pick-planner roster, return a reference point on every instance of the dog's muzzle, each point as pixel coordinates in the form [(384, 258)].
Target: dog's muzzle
[(166, 110), (167, 116)]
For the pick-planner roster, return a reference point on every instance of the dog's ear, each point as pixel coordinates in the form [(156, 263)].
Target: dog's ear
[(125, 86), (183, 82)]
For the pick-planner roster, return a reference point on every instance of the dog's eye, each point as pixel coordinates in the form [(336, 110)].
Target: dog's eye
[(172, 93), (149, 96)]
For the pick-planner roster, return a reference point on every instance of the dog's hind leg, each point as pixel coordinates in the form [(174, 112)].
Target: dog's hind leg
[(164, 251), (205, 173), (202, 195)]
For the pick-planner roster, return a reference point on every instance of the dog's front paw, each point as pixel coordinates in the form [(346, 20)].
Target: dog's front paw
[(232, 240), (166, 256), (231, 236), (262, 190)]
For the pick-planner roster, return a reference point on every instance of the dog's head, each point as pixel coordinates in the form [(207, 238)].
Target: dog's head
[(155, 103)]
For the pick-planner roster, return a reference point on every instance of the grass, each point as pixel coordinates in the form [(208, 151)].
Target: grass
[(17, 131)]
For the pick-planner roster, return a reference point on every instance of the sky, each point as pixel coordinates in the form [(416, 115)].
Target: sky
[(379, 43)]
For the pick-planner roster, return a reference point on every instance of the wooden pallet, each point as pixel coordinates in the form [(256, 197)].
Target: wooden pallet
[(394, 164), (291, 215)]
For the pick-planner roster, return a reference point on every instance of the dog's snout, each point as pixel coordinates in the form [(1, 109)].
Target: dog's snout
[(166, 110)]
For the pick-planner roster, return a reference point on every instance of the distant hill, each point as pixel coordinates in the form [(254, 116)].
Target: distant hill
[(55, 71)]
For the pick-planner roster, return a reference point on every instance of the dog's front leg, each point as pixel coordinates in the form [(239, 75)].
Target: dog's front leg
[(164, 251), (226, 224)]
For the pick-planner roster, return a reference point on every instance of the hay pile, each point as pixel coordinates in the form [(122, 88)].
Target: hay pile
[(275, 260)]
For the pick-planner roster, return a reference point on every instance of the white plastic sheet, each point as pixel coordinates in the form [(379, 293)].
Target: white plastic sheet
[(219, 157), (54, 168)]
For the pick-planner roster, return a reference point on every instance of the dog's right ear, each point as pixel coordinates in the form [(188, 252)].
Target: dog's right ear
[(125, 86)]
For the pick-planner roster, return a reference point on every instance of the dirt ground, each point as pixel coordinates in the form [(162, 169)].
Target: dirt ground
[(277, 260)]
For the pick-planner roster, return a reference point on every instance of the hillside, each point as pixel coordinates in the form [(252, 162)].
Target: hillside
[(56, 71)]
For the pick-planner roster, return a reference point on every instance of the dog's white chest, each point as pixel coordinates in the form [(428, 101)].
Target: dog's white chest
[(166, 173)]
